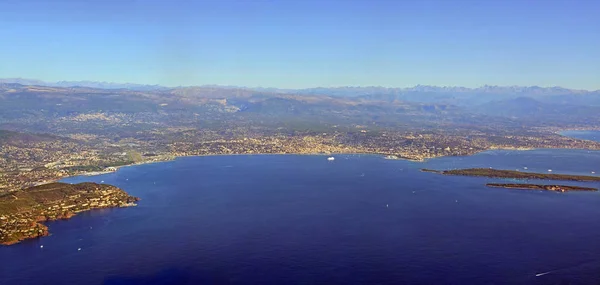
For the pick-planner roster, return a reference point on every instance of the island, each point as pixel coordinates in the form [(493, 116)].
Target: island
[(497, 173), (22, 212), (557, 188)]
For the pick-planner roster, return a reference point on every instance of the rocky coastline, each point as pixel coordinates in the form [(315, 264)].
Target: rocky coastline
[(556, 188), (23, 212)]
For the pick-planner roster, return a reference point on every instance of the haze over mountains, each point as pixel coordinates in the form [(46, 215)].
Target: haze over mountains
[(332, 91), (91, 84), (419, 106)]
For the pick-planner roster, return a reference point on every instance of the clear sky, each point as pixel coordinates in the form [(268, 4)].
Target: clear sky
[(304, 43)]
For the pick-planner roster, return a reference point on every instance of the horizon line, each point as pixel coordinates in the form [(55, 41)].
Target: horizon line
[(270, 87)]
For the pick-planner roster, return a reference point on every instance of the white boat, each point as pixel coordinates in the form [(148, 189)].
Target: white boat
[(549, 170), (331, 158)]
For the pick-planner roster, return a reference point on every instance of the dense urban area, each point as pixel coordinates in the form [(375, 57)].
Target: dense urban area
[(43, 159)]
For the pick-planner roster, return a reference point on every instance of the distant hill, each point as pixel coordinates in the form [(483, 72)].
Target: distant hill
[(80, 109), (22, 81), (409, 93), (487, 89), (457, 96), (90, 84), (17, 138), (530, 109)]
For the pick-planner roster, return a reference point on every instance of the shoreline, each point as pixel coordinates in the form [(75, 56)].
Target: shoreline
[(582, 129), (387, 156), (383, 156), (57, 201)]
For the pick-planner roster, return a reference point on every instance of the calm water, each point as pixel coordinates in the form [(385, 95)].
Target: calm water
[(301, 219), (586, 135)]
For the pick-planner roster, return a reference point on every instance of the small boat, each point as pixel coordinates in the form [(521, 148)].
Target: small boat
[(331, 158), (41, 246), (593, 172), (79, 249), (549, 170), (525, 167)]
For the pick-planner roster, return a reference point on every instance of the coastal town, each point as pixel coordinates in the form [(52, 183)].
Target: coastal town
[(26, 163)]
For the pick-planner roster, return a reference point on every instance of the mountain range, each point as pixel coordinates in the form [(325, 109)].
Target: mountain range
[(91, 84), (419, 107), (349, 91)]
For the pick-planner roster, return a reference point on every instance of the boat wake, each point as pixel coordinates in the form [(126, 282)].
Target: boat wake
[(589, 265), (543, 273)]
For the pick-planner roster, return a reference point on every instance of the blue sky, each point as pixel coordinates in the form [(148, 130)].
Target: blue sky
[(296, 44)]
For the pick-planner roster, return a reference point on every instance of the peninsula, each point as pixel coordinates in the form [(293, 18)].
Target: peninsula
[(557, 188), (22, 212), (498, 173)]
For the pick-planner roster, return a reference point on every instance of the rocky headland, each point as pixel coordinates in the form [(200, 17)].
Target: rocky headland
[(23, 212)]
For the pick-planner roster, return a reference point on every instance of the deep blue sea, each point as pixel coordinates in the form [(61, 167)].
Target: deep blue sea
[(292, 219)]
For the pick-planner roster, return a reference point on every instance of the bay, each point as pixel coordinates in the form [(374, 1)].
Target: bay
[(592, 135), (361, 219)]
